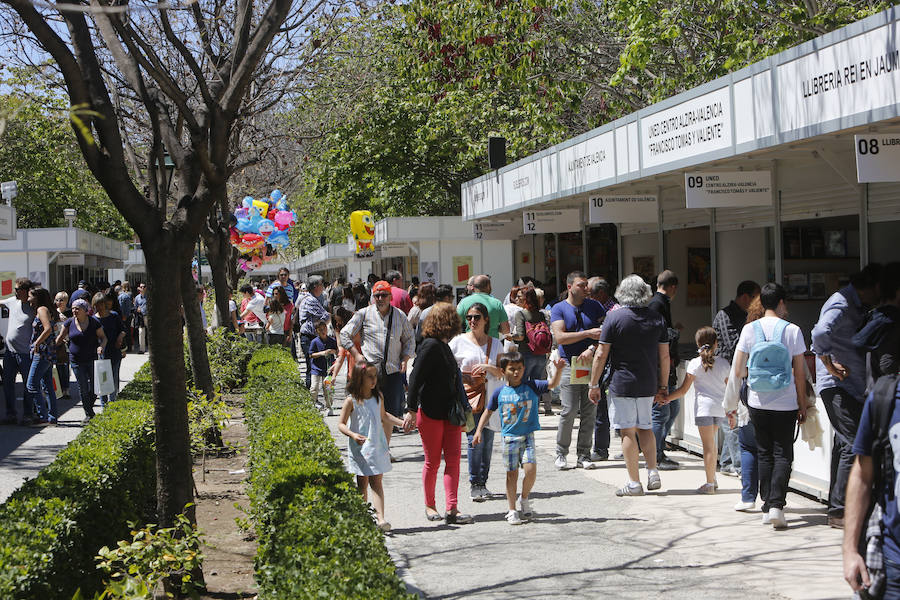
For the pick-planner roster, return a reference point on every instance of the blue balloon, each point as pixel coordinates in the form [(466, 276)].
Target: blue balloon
[(278, 238), (255, 220), (243, 225), (276, 195), (247, 202), (282, 205)]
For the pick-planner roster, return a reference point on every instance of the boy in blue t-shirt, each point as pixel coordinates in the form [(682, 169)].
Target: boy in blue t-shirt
[(518, 403)]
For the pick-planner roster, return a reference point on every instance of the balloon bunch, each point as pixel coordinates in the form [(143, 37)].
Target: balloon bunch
[(260, 228)]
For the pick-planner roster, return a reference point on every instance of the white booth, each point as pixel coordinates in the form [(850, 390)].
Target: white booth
[(782, 171)]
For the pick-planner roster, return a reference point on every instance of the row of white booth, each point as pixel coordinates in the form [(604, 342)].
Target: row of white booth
[(783, 171)]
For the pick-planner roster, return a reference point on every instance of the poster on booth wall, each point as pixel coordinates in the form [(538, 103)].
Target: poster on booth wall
[(463, 268), (429, 271), (645, 266), (699, 289), (7, 284)]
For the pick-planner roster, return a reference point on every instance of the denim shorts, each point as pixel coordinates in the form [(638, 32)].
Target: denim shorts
[(702, 421), (518, 450), (631, 412)]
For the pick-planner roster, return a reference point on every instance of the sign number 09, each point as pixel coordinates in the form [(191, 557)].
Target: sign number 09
[(695, 181), (868, 146)]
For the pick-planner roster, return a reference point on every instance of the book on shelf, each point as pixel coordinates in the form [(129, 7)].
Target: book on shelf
[(818, 288), (793, 242), (797, 285)]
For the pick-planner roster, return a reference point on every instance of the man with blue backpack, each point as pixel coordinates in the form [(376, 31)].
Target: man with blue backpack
[(769, 354)]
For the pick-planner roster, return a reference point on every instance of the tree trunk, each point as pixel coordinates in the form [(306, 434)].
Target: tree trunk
[(174, 482), (196, 334), (220, 257)]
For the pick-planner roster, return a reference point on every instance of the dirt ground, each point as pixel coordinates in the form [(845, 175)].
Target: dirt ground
[(229, 550)]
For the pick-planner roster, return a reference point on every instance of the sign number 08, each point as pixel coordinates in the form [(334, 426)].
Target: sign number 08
[(868, 146)]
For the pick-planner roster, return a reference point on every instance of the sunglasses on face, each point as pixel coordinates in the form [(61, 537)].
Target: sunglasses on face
[(381, 295), (475, 318)]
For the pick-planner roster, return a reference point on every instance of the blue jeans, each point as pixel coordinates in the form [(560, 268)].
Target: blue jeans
[(536, 368), (731, 454), (663, 418), (16, 362), (84, 375), (892, 574), (394, 393), (749, 467), (479, 456), (41, 373), (305, 341), (116, 363), (601, 424)]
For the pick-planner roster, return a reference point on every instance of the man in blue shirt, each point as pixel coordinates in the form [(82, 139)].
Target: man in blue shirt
[(284, 280), (575, 323), (859, 491), (126, 306), (841, 375)]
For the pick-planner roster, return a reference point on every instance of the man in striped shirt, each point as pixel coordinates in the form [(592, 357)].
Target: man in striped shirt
[(375, 321)]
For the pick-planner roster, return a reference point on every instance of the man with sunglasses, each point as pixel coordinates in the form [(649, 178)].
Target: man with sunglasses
[(387, 341), (17, 358)]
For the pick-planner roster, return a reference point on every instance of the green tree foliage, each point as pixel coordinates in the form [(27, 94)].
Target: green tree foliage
[(38, 150), (406, 102)]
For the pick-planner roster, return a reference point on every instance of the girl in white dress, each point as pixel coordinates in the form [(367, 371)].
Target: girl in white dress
[(709, 374), (363, 420)]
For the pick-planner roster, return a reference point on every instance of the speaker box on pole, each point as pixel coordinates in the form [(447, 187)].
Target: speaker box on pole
[(496, 152)]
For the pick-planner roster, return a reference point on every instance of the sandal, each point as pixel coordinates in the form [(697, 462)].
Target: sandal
[(458, 519), (436, 516)]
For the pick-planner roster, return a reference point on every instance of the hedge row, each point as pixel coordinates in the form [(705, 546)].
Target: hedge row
[(317, 538), (52, 527)]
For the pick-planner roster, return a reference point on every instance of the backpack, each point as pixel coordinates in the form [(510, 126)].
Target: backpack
[(538, 336), (872, 540), (769, 367)]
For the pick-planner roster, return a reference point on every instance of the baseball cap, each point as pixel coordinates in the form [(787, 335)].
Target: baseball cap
[(381, 286)]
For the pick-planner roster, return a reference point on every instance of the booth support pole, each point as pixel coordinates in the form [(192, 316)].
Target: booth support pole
[(863, 225), (713, 265), (776, 201), (660, 232)]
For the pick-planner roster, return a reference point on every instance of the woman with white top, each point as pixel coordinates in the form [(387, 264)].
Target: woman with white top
[(773, 413), (476, 354), (708, 374)]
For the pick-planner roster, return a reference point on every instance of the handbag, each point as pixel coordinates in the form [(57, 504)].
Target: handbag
[(104, 385), (460, 411), (476, 385)]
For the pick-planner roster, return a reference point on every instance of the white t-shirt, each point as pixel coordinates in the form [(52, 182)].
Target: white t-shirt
[(709, 386), (256, 305), (468, 354), (511, 311), (785, 399), (276, 323)]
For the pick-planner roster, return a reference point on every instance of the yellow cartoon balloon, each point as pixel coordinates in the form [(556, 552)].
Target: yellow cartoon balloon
[(362, 225)]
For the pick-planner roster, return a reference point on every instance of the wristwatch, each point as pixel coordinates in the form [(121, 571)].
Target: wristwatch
[(593, 387)]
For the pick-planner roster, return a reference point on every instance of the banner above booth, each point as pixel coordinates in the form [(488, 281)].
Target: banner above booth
[(623, 209), (732, 189)]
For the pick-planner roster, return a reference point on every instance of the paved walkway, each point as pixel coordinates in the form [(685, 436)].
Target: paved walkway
[(26, 450), (586, 542)]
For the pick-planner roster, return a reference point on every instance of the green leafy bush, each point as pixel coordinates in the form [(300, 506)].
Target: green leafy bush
[(52, 527), (229, 354), (317, 538)]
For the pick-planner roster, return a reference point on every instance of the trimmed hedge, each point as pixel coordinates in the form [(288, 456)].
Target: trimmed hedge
[(317, 538), (52, 527)]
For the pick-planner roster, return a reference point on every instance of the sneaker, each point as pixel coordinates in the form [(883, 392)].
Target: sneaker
[(512, 517), (653, 480), (619, 456), (742, 506), (40, 422), (477, 494), (561, 463), (730, 471), (329, 413), (707, 488), (599, 456), (629, 490), (766, 519), (525, 507), (548, 412), (776, 516), (585, 463), (487, 494), (667, 464)]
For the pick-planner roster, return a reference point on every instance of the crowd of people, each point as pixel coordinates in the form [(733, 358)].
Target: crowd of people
[(608, 356), (48, 339)]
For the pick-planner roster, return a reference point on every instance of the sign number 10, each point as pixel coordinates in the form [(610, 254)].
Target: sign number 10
[(868, 146)]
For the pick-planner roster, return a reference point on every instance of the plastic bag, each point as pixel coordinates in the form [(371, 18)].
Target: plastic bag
[(104, 385)]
